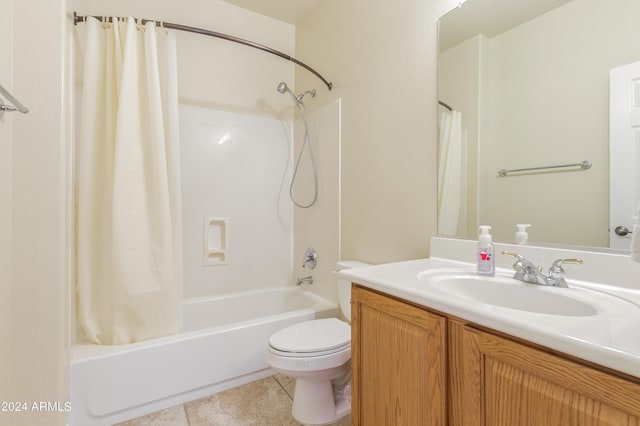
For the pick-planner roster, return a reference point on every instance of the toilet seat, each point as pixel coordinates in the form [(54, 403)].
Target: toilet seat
[(311, 339), (308, 354), (311, 346)]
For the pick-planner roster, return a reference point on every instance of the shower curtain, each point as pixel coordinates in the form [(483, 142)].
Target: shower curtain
[(129, 254), (451, 173)]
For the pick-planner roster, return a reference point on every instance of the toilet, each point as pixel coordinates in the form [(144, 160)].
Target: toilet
[(317, 354)]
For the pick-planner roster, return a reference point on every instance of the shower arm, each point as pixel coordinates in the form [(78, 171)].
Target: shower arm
[(306, 92)]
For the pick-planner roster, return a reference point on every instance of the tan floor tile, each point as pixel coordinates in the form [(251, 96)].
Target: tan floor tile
[(174, 416), (345, 421), (258, 403), (288, 383), (262, 403)]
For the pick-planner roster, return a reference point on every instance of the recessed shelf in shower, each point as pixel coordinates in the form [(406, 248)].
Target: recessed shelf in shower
[(215, 241)]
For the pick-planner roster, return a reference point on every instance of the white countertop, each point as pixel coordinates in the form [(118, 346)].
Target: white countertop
[(610, 338)]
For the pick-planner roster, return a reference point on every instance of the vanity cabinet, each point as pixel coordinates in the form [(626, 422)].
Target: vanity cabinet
[(503, 382), (407, 359), (398, 362)]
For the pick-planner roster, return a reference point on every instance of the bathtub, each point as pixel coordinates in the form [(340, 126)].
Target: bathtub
[(222, 346)]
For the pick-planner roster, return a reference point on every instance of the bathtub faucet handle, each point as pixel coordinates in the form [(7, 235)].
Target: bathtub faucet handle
[(310, 258)]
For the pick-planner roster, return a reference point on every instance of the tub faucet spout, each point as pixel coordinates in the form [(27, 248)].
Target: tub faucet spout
[(305, 280)]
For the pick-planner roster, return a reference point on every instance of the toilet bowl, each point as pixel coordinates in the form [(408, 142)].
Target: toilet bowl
[(317, 354)]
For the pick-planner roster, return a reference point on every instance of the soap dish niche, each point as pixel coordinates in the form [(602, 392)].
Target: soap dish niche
[(215, 241)]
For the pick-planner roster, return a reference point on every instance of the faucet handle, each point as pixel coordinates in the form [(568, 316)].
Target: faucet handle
[(521, 263), (508, 253), (556, 272), (519, 266), (556, 266), (525, 270), (310, 258)]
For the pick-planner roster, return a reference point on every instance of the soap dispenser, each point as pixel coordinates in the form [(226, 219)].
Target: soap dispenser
[(521, 235), (486, 264)]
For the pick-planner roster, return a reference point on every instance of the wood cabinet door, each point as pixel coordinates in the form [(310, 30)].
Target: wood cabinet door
[(503, 383), (398, 363)]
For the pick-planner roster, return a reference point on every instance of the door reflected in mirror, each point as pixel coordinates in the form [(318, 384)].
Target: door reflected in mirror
[(529, 83)]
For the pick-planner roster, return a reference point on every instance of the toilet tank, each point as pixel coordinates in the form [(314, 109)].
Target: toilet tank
[(344, 286)]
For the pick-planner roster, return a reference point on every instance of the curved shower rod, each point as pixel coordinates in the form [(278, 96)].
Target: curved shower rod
[(79, 18), (445, 105)]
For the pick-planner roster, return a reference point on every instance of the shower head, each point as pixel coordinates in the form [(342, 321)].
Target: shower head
[(283, 88)]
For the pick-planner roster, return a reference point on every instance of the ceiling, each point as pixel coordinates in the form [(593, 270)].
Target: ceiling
[(497, 15), (290, 11), (490, 17)]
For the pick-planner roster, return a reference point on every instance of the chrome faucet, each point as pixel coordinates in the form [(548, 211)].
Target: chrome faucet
[(305, 280), (528, 272)]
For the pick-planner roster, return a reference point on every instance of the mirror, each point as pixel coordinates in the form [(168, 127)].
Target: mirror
[(530, 80)]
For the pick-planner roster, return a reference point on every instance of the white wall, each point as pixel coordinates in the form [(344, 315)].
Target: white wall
[(319, 225), (382, 59), (34, 205), (6, 138)]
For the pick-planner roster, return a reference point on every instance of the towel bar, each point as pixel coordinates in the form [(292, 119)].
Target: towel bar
[(17, 105), (583, 165)]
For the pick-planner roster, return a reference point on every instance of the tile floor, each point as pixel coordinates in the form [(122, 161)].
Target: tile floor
[(266, 402)]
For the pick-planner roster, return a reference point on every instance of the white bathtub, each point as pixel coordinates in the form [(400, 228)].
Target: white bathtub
[(223, 345)]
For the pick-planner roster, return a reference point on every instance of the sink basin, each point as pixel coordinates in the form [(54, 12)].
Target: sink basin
[(509, 293), (522, 297)]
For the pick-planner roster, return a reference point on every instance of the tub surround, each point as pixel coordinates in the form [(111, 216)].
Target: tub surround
[(609, 339)]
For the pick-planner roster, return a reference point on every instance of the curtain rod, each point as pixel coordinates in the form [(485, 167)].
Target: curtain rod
[(445, 105), (79, 18)]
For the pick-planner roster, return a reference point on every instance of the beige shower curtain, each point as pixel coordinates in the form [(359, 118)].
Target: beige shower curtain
[(129, 272), (451, 173)]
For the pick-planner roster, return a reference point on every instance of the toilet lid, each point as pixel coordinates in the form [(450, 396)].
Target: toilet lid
[(312, 336)]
